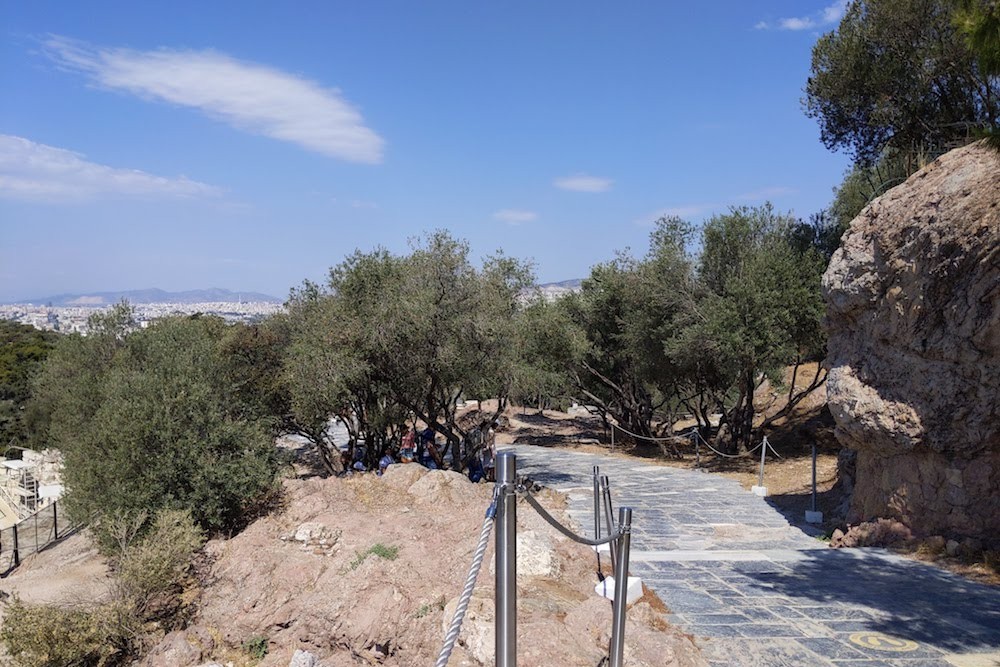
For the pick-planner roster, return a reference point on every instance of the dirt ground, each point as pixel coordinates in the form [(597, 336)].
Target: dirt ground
[(67, 572)]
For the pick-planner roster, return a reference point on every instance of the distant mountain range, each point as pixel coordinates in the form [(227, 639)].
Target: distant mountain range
[(572, 285), (552, 291), (215, 295), (97, 299)]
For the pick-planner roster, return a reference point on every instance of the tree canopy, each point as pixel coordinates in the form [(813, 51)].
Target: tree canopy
[(397, 338), (23, 349), (150, 419), (899, 75)]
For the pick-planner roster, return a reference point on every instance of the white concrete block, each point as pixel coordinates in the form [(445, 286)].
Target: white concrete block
[(633, 590), (759, 491), (814, 517)]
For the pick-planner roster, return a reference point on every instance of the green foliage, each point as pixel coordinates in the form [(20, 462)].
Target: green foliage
[(22, 351), (761, 309), (897, 75), (394, 335), (149, 420), (256, 647), (547, 341), (378, 549), (979, 23), (50, 636), (647, 338), (625, 309)]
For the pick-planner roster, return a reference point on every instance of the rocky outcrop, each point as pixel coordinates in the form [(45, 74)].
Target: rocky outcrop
[(367, 570), (913, 299)]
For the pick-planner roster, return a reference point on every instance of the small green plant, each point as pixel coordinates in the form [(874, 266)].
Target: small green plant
[(423, 611), (256, 647), (378, 549)]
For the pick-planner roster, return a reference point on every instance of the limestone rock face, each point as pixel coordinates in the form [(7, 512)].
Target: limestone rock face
[(913, 315)]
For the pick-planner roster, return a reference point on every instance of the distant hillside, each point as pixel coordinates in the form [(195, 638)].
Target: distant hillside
[(572, 285), (552, 291), (98, 299)]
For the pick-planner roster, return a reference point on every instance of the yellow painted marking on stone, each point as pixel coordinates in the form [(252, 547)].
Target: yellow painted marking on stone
[(880, 642)]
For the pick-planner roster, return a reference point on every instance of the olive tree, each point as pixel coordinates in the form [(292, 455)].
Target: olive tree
[(148, 420), (393, 337), (898, 75)]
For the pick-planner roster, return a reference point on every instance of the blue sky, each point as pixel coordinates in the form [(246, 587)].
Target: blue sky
[(251, 145)]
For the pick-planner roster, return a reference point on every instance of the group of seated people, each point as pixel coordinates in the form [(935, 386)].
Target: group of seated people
[(420, 447)]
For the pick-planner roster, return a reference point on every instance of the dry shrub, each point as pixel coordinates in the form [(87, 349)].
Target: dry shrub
[(877, 533), (51, 636), (157, 563), (149, 575)]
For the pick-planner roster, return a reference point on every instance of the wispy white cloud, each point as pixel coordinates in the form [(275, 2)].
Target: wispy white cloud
[(513, 216), (36, 172), (249, 96), (583, 183), (834, 12), (825, 17), (361, 203)]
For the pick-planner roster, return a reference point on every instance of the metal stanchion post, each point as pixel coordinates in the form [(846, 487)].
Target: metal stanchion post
[(612, 436), (506, 562), (55, 521), (597, 503), (17, 552), (609, 516), (617, 652), (763, 451), (814, 477)]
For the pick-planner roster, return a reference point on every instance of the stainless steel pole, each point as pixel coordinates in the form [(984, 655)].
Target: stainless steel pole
[(597, 503), (763, 451), (506, 562), (609, 516), (814, 478), (617, 652)]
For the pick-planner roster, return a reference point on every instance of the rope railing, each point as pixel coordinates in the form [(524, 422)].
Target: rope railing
[(502, 510), (470, 584), (641, 437), (525, 493), (692, 434)]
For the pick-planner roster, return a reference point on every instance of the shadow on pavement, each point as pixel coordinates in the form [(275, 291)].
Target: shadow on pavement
[(916, 601)]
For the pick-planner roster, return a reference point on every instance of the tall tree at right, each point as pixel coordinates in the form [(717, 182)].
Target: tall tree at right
[(898, 77)]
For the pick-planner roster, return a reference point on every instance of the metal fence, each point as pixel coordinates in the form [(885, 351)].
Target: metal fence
[(503, 512), (30, 535)]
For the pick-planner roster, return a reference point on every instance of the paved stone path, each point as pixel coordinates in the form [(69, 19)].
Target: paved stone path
[(756, 591)]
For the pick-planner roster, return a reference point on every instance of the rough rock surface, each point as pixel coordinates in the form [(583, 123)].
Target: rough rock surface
[(913, 301), (306, 580)]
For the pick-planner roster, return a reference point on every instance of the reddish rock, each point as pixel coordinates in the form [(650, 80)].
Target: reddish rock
[(913, 298)]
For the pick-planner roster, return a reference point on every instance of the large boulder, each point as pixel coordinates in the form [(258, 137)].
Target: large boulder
[(913, 300)]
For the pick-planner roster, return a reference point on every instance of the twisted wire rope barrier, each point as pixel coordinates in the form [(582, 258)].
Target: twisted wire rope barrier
[(694, 432), (521, 489), (470, 584)]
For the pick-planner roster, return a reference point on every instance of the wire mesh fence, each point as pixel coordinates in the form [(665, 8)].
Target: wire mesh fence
[(30, 535)]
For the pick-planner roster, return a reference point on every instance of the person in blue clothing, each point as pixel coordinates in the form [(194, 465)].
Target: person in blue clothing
[(427, 458), (384, 463)]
